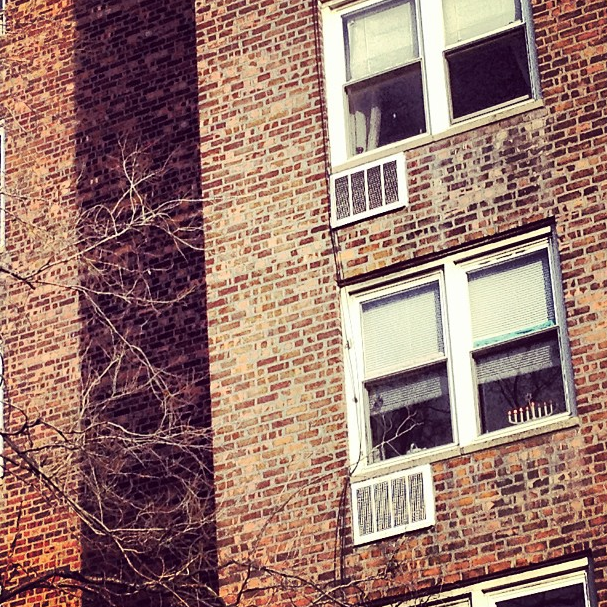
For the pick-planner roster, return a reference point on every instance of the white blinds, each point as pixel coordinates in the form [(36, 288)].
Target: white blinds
[(511, 298), (380, 39), (532, 358), (401, 329), (409, 390), (465, 19)]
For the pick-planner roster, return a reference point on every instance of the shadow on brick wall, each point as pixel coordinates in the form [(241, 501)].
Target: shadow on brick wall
[(147, 482)]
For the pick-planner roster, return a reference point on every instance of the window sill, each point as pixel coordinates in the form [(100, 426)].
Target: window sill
[(441, 454), (462, 126)]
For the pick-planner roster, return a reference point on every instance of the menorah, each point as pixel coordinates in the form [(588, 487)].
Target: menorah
[(530, 411)]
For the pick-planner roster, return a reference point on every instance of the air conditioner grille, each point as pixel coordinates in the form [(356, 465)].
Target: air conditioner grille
[(392, 504), (365, 517), (399, 496), (391, 182), (359, 196), (368, 190), (416, 491), (342, 196), (382, 507), (374, 186)]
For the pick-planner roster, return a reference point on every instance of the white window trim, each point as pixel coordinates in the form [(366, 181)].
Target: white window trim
[(434, 75), (457, 332)]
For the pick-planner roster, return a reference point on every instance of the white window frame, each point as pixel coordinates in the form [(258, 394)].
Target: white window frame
[(488, 592), (536, 586), (433, 50), (452, 272), (2, 188)]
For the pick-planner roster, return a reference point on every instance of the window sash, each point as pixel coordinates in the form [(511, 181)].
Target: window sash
[(402, 329), (511, 298), (380, 38), (466, 19)]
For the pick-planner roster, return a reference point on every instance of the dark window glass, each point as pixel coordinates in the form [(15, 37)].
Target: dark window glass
[(489, 73), (410, 412), (519, 382), (386, 109)]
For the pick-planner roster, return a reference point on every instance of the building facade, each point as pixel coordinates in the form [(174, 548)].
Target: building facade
[(390, 300), (404, 217)]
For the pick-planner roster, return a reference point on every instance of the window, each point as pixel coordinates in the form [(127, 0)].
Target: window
[(392, 74), (467, 348), (570, 590), (566, 584)]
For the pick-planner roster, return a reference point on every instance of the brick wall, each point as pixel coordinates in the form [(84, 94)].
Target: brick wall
[(40, 327), (85, 84), (275, 330)]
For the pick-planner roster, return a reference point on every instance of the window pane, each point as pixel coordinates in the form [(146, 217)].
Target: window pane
[(410, 412), (489, 74), (512, 298), (402, 329), (520, 382), (388, 109), (465, 19), (380, 38), (570, 596)]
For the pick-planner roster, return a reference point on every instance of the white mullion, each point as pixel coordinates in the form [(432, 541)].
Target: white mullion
[(433, 42), (463, 395)]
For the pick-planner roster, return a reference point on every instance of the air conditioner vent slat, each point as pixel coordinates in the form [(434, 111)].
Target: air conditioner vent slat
[(392, 504), (368, 190)]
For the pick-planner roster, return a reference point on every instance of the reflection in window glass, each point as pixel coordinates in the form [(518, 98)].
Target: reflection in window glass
[(520, 382), (410, 412)]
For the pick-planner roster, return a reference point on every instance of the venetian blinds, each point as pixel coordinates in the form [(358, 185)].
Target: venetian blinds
[(380, 39), (402, 329), (511, 298)]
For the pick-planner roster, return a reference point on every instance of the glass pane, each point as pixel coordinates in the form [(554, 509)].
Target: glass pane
[(402, 329), (380, 38), (519, 383), (512, 298), (489, 74), (410, 412), (570, 596), (465, 19), (388, 109)]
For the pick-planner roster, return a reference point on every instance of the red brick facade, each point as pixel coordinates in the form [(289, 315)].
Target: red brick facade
[(274, 267), (86, 85), (228, 98)]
